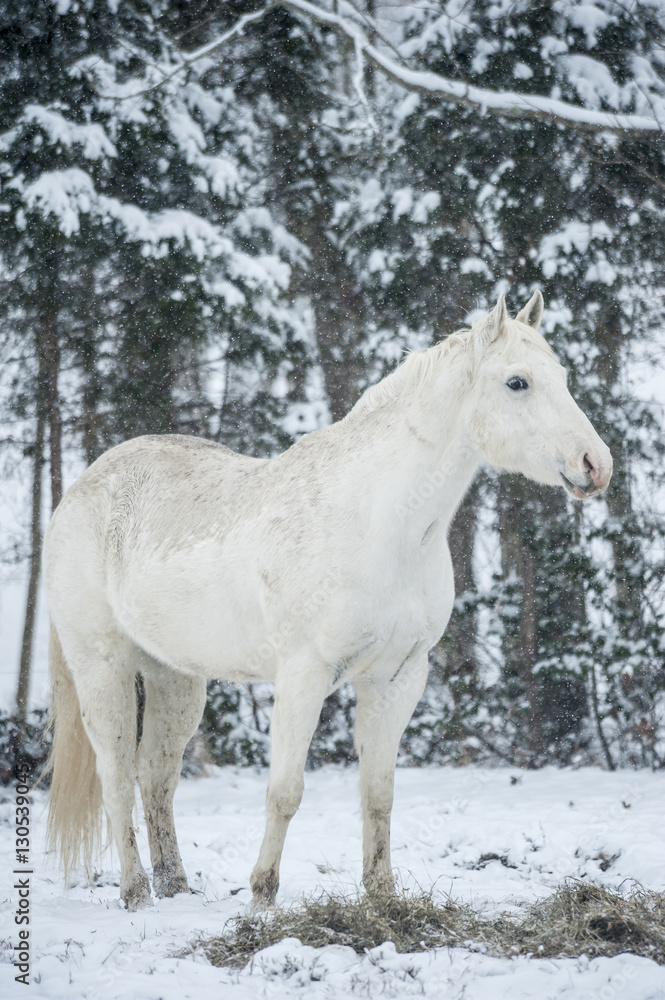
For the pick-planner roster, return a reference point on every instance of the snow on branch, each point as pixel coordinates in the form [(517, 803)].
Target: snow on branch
[(236, 29), (506, 102), (186, 61)]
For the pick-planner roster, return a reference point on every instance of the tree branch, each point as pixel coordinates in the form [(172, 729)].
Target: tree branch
[(187, 60), (432, 84), (518, 105)]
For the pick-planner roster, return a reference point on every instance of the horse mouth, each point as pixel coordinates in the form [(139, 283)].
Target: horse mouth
[(579, 492)]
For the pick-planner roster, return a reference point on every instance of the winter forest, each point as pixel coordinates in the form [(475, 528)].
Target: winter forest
[(230, 218)]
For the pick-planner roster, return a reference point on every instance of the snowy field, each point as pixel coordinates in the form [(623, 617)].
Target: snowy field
[(542, 825)]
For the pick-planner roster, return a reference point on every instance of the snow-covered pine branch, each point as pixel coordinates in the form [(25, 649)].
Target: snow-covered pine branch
[(185, 61), (505, 103)]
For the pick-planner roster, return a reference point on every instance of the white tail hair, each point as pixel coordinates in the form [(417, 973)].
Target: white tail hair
[(75, 798)]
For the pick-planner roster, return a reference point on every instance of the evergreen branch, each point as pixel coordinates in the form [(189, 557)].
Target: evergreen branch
[(237, 29), (188, 60), (477, 98)]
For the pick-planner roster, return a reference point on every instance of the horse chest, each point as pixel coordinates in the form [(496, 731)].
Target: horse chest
[(391, 615)]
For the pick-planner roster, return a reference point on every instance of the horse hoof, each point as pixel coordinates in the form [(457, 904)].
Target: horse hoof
[(260, 905), (137, 896), (379, 886), (264, 889), (170, 885)]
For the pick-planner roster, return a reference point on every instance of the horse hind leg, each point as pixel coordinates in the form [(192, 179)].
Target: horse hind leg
[(174, 705), (104, 670)]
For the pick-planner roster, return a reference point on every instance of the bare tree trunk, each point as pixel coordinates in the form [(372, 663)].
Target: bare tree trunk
[(370, 69), (47, 348), (50, 370), (457, 662), (625, 548), (86, 348), (529, 647), (33, 580), (340, 321), (518, 561)]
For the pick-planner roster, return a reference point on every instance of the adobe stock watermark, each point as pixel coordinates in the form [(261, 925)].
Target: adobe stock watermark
[(430, 484), (599, 826), (22, 873), (615, 987), (276, 642), (236, 851)]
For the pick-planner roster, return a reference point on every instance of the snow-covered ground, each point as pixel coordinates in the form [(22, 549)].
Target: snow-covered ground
[(546, 825)]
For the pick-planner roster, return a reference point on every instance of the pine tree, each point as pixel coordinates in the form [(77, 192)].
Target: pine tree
[(134, 247)]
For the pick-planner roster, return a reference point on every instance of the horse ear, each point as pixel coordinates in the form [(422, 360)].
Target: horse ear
[(492, 327), (497, 319), (532, 312)]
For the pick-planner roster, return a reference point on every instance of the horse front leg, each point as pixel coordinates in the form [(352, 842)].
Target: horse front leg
[(382, 712), (299, 695)]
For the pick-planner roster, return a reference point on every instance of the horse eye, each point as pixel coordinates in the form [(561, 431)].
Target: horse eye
[(517, 383)]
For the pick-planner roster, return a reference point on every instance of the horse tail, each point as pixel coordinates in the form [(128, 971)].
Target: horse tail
[(75, 797)]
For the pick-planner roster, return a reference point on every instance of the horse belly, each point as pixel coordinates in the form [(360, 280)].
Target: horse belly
[(195, 621)]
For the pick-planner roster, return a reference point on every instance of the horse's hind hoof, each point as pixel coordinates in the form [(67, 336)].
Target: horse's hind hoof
[(137, 895), (170, 885)]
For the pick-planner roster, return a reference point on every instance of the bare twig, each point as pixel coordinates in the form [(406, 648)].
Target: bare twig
[(187, 61)]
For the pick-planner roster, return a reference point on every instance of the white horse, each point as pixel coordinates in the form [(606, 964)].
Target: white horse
[(176, 559)]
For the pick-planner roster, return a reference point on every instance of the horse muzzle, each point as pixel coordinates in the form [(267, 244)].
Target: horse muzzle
[(591, 475)]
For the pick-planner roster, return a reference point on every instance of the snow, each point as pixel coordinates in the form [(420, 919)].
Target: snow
[(402, 201), (475, 265), (593, 81), (69, 194), (370, 196), (446, 28), (91, 137), (556, 247), (530, 105), (587, 16), (522, 72), (601, 271), (429, 202), (407, 107), (223, 173), (187, 133), (62, 193), (546, 825)]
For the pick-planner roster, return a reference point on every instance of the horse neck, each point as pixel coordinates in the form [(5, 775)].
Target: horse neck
[(412, 458)]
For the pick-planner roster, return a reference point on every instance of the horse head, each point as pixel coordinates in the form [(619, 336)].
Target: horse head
[(522, 417)]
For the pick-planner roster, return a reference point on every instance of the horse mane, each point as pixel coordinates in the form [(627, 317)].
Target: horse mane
[(409, 376), (418, 366)]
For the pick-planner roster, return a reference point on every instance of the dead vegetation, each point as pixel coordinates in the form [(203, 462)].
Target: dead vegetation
[(578, 919)]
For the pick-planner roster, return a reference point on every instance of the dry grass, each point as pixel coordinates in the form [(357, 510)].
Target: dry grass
[(579, 919)]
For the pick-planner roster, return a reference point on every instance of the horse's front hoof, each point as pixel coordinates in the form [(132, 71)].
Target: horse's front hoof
[(260, 905), (264, 889), (137, 895), (379, 884)]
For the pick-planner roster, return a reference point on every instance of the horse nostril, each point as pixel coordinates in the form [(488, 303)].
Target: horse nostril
[(589, 467)]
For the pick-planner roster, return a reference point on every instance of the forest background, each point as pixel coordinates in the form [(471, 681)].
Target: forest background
[(230, 218)]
